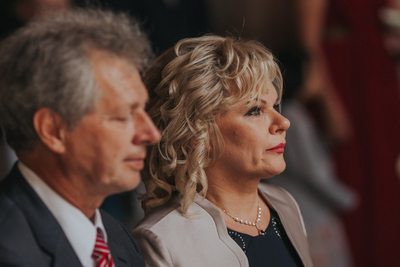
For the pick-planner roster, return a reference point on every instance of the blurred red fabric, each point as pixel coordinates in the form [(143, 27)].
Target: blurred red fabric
[(365, 77)]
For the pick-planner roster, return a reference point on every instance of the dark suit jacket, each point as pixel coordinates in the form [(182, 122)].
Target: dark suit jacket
[(31, 236)]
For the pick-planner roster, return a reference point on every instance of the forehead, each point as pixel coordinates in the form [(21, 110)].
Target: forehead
[(118, 80), (266, 93)]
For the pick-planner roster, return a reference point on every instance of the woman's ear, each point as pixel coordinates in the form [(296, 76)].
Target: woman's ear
[(50, 128)]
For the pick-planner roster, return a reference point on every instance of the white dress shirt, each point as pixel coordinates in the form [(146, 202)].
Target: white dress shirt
[(80, 230)]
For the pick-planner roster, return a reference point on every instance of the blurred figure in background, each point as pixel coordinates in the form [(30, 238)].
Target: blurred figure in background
[(390, 17), (292, 29), (310, 177), (16, 13), (364, 75), (166, 21), (310, 174)]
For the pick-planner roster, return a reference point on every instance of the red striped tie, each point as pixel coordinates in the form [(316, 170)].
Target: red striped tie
[(101, 253)]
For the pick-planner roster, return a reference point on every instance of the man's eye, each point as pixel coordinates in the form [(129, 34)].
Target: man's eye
[(278, 107), (120, 118), (254, 111)]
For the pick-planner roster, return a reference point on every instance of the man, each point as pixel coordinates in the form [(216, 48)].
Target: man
[(72, 107)]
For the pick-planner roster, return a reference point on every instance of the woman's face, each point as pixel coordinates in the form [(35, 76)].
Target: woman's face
[(254, 137)]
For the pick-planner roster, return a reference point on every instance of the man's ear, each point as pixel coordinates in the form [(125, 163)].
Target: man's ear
[(50, 128)]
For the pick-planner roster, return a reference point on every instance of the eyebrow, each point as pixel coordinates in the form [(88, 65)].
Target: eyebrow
[(265, 102), (138, 104)]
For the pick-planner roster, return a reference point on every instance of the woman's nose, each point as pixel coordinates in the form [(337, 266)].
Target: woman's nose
[(280, 124)]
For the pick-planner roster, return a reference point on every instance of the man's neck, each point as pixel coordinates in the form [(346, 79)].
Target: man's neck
[(72, 189)]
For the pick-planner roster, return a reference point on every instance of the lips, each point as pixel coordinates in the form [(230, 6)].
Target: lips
[(278, 149), (135, 162)]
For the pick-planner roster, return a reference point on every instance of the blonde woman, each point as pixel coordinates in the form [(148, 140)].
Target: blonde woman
[(216, 101)]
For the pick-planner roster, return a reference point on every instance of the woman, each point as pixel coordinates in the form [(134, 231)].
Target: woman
[(216, 102)]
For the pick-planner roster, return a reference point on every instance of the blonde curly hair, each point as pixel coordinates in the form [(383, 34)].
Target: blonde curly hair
[(190, 85)]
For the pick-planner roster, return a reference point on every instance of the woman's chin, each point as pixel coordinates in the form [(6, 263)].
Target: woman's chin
[(275, 171)]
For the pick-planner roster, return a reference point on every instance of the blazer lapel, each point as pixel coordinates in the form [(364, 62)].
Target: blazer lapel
[(221, 228), (289, 215), (45, 227)]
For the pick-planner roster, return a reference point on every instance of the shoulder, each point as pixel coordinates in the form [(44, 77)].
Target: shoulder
[(13, 221), (282, 201), (197, 238), (18, 245), (165, 226), (168, 219), (277, 193), (160, 233)]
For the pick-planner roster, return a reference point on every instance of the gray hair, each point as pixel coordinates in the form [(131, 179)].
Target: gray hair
[(45, 64)]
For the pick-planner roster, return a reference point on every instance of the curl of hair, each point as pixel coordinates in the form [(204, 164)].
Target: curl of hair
[(45, 64), (190, 85)]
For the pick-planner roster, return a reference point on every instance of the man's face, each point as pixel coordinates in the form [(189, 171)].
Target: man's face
[(106, 150)]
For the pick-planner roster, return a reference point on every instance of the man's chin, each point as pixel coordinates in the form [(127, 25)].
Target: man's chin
[(131, 183)]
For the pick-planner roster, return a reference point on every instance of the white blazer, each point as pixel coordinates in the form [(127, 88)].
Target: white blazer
[(200, 238)]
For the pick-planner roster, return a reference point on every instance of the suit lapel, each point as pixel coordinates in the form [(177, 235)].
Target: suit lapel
[(45, 227), (117, 252), (123, 249)]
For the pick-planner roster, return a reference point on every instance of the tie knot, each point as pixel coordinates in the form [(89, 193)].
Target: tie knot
[(101, 253), (99, 234)]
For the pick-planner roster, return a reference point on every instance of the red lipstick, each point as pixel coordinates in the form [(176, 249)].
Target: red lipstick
[(278, 149)]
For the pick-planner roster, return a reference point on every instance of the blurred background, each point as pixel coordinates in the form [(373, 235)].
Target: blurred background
[(341, 64)]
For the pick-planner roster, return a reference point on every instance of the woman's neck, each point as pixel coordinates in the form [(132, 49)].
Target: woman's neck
[(238, 199), (237, 196)]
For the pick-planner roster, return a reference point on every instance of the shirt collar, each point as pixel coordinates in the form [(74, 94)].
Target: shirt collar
[(80, 231)]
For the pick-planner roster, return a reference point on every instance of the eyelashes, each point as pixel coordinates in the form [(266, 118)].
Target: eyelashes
[(257, 110), (254, 111)]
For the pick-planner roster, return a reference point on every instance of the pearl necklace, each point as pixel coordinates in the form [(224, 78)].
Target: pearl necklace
[(246, 222), (254, 223)]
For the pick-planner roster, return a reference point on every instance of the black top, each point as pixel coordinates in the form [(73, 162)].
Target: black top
[(270, 249)]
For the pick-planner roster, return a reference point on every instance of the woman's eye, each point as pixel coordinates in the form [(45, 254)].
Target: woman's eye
[(254, 111), (278, 107)]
